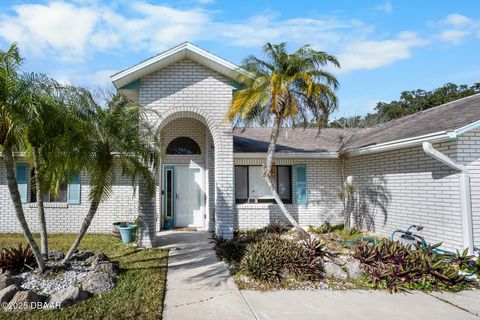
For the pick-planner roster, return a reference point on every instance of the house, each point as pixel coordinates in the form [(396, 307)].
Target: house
[(421, 169)]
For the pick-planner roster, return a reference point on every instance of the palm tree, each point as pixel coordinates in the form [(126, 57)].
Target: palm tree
[(116, 137), (51, 123), (285, 88), (15, 111)]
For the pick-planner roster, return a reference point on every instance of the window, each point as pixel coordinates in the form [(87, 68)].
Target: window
[(183, 145), (48, 196), (251, 187)]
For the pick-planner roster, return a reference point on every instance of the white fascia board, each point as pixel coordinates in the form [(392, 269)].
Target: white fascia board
[(474, 125), (290, 155), (185, 48), (404, 143)]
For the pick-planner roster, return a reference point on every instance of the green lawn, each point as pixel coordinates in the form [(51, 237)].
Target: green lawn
[(140, 288)]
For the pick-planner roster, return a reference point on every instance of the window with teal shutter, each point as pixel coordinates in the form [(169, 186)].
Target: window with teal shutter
[(21, 175), (301, 184), (74, 190)]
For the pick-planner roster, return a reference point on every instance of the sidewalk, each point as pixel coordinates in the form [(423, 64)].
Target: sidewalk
[(200, 287)]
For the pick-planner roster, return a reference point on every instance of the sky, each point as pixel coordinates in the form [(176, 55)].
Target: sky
[(384, 47)]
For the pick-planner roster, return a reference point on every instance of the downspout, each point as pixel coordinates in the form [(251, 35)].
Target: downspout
[(465, 195)]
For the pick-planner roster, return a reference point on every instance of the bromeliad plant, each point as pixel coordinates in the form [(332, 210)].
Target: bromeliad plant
[(17, 260), (390, 265)]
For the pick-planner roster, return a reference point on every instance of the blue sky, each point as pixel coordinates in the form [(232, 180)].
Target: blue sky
[(384, 47)]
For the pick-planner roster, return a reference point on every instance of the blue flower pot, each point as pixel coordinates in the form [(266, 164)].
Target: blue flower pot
[(127, 233), (168, 224)]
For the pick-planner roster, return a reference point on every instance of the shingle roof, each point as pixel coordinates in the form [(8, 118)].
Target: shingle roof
[(446, 117), (289, 140)]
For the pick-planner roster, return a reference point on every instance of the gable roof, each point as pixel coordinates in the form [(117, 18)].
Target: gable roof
[(185, 50), (444, 122)]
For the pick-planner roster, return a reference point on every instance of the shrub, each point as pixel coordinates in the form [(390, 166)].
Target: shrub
[(232, 250), (17, 260), (393, 266), (316, 248), (272, 260), (277, 227), (325, 228), (466, 263)]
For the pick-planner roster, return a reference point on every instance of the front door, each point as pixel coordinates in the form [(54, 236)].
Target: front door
[(187, 193)]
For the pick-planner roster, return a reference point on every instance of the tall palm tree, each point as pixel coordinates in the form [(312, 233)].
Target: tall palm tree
[(116, 137), (51, 124), (15, 112), (285, 88)]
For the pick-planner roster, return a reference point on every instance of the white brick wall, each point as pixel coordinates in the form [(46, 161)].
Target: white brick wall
[(63, 218), (403, 187), (324, 204), (468, 153)]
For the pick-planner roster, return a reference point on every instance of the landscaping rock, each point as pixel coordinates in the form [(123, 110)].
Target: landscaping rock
[(334, 271), (7, 293), (96, 259), (81, 255), (7, 280), (23, 299), (107, 267), (354, 269), (98, 282), (56, 255), (67, 297)]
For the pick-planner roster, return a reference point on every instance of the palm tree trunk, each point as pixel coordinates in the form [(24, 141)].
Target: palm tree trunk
[(17, 202), (86, 224), (267, 176), (40, 206)]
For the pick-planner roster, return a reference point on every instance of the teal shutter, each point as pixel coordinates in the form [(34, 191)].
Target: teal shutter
[(301, 191), (21, 175), (74, 190)]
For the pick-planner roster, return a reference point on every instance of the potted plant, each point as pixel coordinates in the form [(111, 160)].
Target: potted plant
[(115, 230), (167, 222), (127, 232)]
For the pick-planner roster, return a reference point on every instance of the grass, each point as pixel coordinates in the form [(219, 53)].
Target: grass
[(139, 291)]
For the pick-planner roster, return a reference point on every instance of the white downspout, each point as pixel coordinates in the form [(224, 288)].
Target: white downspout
[(465, 195)]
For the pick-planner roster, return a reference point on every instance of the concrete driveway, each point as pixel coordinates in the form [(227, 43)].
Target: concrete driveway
[(200, 287)]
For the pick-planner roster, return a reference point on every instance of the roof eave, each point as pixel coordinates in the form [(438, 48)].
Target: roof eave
[(290, 155), (440, 136), (182, 51)]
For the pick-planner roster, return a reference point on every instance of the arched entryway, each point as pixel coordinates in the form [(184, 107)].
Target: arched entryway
[(195, 182)]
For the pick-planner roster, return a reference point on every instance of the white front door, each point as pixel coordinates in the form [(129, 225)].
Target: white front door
[(188, 196)]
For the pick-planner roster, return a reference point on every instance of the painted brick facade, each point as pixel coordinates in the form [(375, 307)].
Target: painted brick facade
[(324, 204), (468, 151), (66, 218), (403, 187), (189, 90)]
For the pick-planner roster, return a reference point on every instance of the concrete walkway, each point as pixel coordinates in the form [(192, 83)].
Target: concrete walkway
[(200, 287)]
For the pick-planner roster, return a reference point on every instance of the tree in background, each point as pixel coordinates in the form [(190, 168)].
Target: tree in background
[(410, 102), (284, 88)]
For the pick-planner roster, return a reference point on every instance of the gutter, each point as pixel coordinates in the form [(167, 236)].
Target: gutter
[(465, 194), (290, 155), (440, 136)]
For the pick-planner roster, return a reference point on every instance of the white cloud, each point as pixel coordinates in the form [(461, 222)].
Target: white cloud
[(387, 7), (456, 28), (372, 54), (59, 26), (81, 28), (99, 78)]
